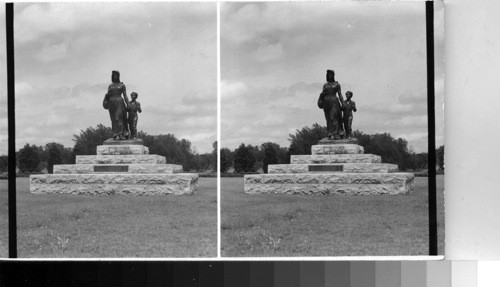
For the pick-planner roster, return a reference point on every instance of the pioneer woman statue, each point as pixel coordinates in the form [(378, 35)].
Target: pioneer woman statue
[(117, 107), (331, 101)]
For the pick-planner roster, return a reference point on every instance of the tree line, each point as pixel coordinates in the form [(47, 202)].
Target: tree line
[(244, 159), (33, 159), (248, 158)]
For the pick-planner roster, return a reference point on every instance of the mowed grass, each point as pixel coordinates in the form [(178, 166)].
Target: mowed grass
[(113, 226), (300, 225)]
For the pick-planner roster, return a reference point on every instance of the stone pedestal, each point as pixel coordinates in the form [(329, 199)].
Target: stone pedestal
[(338, 168), (117, 169)]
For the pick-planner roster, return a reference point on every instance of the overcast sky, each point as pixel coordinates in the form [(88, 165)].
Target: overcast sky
[(274, 58), (3, 86), (166, 52)]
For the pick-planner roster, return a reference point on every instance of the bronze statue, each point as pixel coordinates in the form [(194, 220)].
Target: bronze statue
[(348, 108), (133, 108), (117, 107), (332, 106)]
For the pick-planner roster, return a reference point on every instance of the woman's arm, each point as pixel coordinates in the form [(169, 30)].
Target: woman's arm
[(125, 96), (340, 96)]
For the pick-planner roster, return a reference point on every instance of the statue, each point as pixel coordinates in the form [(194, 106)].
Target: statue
[(332, 106), (133, 108), (117, 107), (348, 108)]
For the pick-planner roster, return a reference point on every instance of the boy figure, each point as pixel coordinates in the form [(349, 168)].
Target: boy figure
[(133, 107), (348, 108)]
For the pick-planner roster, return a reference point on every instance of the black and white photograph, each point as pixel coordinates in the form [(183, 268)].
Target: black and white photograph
[(116, 124), (324, 129)]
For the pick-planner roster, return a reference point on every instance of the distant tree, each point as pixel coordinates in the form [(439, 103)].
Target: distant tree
[(440, 157), (244, 159), (214, 156), (67, 154), (420, 160), (202, 162), (54, 158), (87, 141), (270, 156), (303, 139), (226, 160), (3, 163), (29, 160), (391, 150)]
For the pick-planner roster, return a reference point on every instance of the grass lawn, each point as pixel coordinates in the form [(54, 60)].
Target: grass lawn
[(300, 225), (113, 226)]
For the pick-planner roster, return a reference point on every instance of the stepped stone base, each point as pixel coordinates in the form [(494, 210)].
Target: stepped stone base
[(337, 149), (122, 150), (344, 167), (335, 158), (137, 184), (130, 168), (120, 159), (332, 183)]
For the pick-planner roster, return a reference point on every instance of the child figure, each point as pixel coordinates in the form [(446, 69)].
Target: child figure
[(133, 107), (348, 108)]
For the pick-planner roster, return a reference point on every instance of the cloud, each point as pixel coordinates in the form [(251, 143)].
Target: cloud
[(166, 52), (268, 52), (52, 53)]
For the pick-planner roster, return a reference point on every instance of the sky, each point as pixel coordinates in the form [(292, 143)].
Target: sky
[(65, 52), (3, 86), (274, 58)]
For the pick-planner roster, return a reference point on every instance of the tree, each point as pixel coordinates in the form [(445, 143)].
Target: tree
[(87, 141), (391, 150), (440, 157), (67, 154), (302, 140), (270, 156), (54, 158), (29, 160), (226, 160), (244, 159), (3, 163), (213, 159)]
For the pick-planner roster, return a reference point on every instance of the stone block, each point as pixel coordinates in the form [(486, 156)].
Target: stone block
[(120, 159), (337, 149), (340, 141), (334, 183), (345, 167), (114, 184), (335, 158), (329, 189), (111, 141), (121, 149), (132, 168)]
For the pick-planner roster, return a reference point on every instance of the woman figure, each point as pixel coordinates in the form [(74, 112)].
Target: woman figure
[(332, 106), (117, 107)]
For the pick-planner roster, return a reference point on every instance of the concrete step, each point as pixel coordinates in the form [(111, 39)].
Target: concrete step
[(329, 168), (121, 149), (335, 158), (113, 184), (117, 168), (329, 184), (337, 149), (120, 159)]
